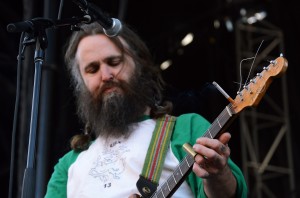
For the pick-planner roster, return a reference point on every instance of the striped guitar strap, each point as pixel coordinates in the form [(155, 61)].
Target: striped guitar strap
[(160, 141)]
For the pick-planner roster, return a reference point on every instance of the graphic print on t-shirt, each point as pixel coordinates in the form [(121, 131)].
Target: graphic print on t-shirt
[(110, 164)]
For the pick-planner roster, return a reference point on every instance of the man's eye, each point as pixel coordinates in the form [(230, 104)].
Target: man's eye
[(92, 68), (114, 62)]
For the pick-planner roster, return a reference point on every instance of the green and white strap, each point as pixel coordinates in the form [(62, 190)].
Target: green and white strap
[(156, 154)]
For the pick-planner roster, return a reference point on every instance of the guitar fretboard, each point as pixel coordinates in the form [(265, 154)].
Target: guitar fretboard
[(177, 177), (168, 188), (219, 123)]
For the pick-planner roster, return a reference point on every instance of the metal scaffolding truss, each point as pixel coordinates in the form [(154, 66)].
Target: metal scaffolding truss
[(266, 148)]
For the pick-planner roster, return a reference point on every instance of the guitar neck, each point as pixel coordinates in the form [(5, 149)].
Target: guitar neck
[(249, 96), (173, 182)]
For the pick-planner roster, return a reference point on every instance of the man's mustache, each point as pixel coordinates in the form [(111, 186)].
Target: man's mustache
[(106, 86)]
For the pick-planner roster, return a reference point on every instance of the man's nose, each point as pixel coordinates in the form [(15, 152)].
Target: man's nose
[(106, 73)]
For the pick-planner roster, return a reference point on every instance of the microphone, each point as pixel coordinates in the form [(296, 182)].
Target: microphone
[(111, 26), (37, 24), (30, 25)]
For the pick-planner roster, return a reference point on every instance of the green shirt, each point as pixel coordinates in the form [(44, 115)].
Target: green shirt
[(188, 128)]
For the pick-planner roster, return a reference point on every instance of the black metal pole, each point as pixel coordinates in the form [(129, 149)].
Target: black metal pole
[(37, 29), (28, 187)]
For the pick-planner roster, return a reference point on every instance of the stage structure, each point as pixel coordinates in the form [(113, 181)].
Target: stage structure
[(267, 160)]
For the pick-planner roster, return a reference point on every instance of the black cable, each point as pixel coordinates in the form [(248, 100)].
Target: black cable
[(16, 111), (60, 9)]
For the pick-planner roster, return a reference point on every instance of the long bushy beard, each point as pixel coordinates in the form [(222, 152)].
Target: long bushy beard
[(112, 114)]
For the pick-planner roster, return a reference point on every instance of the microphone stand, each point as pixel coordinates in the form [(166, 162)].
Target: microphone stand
[(28, 188), (37, 31)]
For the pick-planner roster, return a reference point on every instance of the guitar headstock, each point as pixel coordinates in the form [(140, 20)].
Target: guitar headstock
[(255, 90)]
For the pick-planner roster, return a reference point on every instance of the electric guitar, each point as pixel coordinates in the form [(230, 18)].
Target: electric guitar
[(249, 96)]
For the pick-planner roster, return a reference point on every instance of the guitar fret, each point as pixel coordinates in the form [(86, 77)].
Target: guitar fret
[(191, 159), (159, 194), (226, 116), (154, 196), (180, 171), (177, 176), (228, 111), (174, 179), (209, 133), (187, 162), (219, 123), (165, 190), (171, 182), (168, 186)]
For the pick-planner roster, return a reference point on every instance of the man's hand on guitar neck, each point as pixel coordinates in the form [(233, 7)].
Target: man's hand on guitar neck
[(211, 165)]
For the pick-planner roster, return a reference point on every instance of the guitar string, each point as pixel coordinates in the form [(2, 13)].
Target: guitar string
[(222, 115), (213, 125), (240, 83), (254, 58), (216, 123)]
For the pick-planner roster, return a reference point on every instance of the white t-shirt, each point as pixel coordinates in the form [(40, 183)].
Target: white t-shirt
[(112, 169)]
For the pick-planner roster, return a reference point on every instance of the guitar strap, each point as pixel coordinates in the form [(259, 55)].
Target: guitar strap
[(157, 150)]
